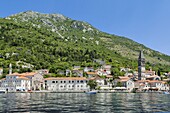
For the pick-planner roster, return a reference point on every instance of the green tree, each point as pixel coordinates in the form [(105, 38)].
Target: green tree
[(92, 84), (119, 84), (159, 73), (168, 82)]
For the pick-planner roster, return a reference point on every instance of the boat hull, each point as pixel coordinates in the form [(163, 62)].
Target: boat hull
[(91, 92), (166, 93)]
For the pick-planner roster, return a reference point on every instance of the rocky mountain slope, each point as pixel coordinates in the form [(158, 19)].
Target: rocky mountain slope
[(58, 42)]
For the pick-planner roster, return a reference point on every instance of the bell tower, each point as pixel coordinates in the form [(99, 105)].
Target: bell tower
[(141, 66)]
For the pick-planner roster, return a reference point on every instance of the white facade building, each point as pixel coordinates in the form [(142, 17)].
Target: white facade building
[(66, 84), (151, 85), (12, 82), (36, 80), (23, 81), (126, 84)]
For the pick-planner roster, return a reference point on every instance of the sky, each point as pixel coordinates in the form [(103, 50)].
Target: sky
[(144, 21)]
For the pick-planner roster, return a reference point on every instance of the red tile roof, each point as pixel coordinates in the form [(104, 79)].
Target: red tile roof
[(66, 78), (91, 73)]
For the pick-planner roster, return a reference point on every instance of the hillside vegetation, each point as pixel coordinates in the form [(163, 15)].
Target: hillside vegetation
[(53, 41)]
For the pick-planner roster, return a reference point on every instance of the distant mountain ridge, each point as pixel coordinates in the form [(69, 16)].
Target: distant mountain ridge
[(50, 40)]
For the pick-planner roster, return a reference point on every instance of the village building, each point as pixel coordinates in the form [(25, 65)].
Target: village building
[(124, 84), (142, 85), (102, 83), (68, 72), (151, 85), (107, 68), (149, 73), (88, 69), (36, 80), (91, 74), (43, 71), (104, 70), (23, 81), (66, 84), (153, 77), (77, 73), (156, 85), (13, 83)]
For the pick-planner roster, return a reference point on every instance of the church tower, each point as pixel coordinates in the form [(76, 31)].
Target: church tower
[(141, 66)]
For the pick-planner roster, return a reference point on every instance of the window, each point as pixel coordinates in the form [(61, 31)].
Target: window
[(77, 85), (64, 81), (81, 81), (72, 85), (56, 81), (53, 81), (61, 81), (72, 81), (69, 81), (77, 81), (81, 85)]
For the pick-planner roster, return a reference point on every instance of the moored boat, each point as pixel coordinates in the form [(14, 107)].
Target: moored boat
[(91, 92), (165, 92), (2, 91)]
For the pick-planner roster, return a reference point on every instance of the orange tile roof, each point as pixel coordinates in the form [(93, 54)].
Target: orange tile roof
[(92, 78), (142, 81), (123, 77), (22, 74), (27, 74), (164, 82), (97, 77), (91, 73), (152, 76), (66, 78), (109, 76), (13, 74), (153, 81)]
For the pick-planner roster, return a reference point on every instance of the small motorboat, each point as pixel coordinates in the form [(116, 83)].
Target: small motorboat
[(165, 92), (2, 91), (91, 92)]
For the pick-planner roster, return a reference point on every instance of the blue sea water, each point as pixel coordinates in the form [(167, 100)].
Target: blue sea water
[(85, 103)]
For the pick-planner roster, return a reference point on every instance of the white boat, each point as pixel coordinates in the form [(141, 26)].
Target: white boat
[(91, 92), (165, 92), (2, 91)]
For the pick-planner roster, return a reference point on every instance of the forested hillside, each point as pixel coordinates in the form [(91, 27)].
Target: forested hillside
[(31, 40)]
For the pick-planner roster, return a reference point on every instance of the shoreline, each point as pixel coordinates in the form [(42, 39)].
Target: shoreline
[(79, 92)]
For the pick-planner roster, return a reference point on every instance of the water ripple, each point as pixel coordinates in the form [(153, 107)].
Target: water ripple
[(82, 103)]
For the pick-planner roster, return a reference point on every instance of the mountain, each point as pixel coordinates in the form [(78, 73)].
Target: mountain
[(33, 40)]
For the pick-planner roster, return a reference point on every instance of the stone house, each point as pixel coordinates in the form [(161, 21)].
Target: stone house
[(66, 84), (126, 83)]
